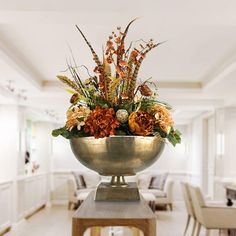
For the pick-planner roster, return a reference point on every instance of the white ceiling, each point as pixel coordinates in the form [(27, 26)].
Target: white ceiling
[(195, 69)]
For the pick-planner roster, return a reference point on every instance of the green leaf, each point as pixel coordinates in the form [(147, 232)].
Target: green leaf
[(70, 91), (74, 133), (57, 132), (174, 137)]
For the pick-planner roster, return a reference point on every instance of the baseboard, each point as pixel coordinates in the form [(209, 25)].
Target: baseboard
[(6, 230), (18, 224), (34, 212)]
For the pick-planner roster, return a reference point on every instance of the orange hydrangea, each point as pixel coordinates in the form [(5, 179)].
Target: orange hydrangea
[(101, 122)]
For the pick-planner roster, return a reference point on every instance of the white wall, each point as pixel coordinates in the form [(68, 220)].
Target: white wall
[(43, 145), (225, 170), (62, 157), (174, 159), (196, 151), (229, 157), (20, 195), (9, 140)]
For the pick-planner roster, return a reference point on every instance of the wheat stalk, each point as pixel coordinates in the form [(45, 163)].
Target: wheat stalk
[(69, 83)]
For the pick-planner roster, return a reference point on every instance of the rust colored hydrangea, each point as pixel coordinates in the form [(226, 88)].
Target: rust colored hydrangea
[(101, 122), (141, 123)]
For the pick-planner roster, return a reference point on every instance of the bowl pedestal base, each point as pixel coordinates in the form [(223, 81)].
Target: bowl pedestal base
[(117, 190)]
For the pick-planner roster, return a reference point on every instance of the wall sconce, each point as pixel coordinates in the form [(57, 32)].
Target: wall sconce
[(220, 144), (52, 114), (22, 94), (9, 86), (17, 93)]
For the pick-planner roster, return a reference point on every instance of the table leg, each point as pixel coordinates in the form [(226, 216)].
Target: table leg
[(95, 231), (135, 231), (229, 202), (77, 228), (150, 230)]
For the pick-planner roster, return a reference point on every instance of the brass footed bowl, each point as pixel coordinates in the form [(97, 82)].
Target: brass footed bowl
[(117, 155)]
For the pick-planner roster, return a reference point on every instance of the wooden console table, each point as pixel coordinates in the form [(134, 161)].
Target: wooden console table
[(101, 214), (230, 194)]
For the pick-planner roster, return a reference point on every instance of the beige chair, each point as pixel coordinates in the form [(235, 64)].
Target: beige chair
[(72, 199), (189, 207), (211, 217), (75, 197), (167, 198)]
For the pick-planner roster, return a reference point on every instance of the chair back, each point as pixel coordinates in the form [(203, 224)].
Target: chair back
[(168, 189), (71, 186), (187, 199), (198, 202)]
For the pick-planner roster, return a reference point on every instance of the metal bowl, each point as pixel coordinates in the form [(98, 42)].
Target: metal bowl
[(117, 155)]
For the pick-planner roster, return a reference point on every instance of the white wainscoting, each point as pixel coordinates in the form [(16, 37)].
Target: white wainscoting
[(5, 205), (32, 194), (59, 193)]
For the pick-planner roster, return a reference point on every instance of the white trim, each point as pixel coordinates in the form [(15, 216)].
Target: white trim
[(19, 223)]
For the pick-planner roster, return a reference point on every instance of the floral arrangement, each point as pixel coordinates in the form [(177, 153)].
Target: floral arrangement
[(112, 102)]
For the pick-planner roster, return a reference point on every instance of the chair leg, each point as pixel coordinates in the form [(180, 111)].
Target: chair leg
[(187, 224), (171, 206), (207, 232), (198, 229), (153, 206), (69, 205), (194, 227)]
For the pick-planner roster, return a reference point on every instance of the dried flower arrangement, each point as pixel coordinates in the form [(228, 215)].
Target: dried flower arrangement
[(111, 102)]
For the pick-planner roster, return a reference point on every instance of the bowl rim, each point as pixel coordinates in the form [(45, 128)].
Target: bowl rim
[(121, 136)]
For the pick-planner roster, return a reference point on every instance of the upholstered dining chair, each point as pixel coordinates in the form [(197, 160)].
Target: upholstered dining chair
[(211, 217), (189, 207)]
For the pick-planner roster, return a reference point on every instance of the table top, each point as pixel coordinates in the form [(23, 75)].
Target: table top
[(231, 187), (91, 209)]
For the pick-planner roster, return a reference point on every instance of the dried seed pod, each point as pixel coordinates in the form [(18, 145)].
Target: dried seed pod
[(145, 90), (74, 98), (122, 115)]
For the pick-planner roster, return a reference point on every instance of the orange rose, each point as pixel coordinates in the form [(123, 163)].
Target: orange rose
[(141, 123)]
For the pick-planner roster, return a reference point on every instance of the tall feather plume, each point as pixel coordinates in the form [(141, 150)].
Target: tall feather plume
[(107, 71), (97, 61), (136, 69), (95, 56)]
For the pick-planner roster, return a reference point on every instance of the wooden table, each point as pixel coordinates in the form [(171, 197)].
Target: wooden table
[(101, 214), (230, 194)]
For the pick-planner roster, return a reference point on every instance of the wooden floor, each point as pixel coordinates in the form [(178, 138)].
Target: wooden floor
[(56, 221)]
